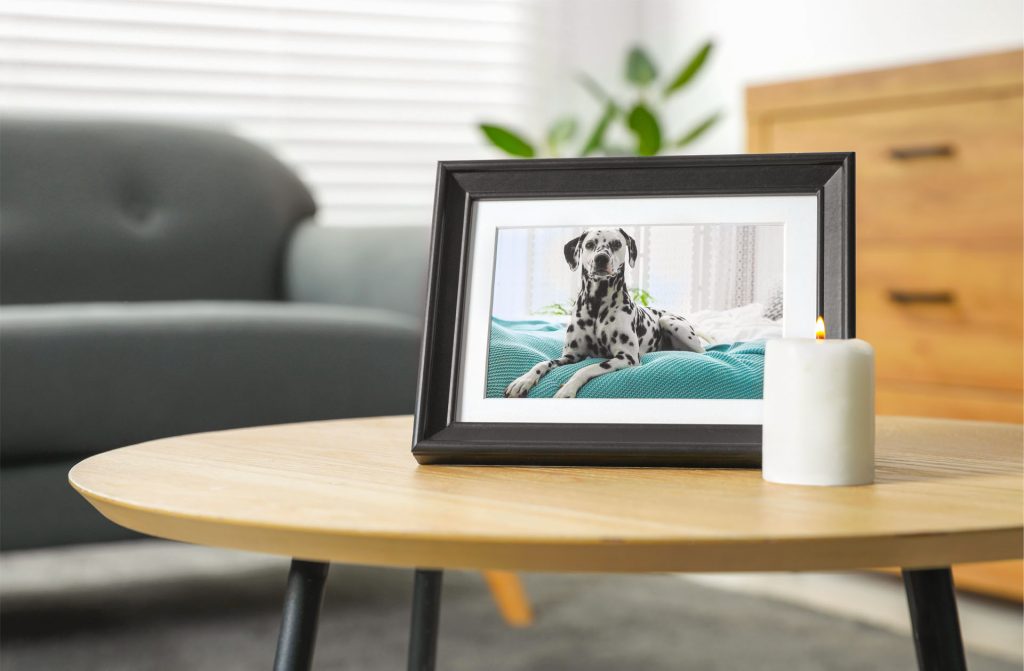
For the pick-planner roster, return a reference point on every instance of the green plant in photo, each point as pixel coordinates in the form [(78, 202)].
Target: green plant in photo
[(642, 117), (555, 310), (642, 297)]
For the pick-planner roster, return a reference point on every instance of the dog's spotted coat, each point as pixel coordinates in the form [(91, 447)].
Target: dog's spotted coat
[(607, 323)]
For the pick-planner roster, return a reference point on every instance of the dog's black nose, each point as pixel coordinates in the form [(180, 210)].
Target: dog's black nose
[(601, 259)]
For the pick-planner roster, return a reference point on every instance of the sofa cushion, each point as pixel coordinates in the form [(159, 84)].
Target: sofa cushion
[(128, 211), (82, 378)]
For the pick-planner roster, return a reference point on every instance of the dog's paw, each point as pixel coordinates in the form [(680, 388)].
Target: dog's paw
[(520, 387), (566, 391)]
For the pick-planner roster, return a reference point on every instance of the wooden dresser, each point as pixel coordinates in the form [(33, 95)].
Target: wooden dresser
[(940, 191)]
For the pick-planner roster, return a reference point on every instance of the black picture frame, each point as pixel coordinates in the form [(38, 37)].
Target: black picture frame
[(439, 439)]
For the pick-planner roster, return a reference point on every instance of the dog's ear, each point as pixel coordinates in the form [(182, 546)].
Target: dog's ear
[(631, 243), (572, 251)]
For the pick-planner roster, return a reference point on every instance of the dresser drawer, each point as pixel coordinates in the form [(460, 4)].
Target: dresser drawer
[(937, 400), (950, 171), (941, 314), (942, 214)]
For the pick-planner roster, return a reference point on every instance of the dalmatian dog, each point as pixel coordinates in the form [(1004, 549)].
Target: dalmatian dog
[(606, 322)]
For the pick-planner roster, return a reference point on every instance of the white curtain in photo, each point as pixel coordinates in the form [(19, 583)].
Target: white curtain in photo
[(532, 278), (711, 266)]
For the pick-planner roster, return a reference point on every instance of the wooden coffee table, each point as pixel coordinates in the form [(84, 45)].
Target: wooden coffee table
[(349, 491)]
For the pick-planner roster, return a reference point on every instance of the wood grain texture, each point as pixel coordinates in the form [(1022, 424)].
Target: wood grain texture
[(927, 221), (510, 595), (971, 195), (973, 340), (938, 400), (1003, 580), (986, 75), (349, 491)]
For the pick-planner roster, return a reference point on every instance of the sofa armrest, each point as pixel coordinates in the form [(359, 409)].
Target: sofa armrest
[(381, 267), (82, 378)]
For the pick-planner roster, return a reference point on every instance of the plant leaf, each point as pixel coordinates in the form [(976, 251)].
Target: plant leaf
[(645, 126), (699, 129), (596, 139), (508, 141), (691, 68), (643, 297), (553, 309), (640, 68), (592, 87), (561, 131)]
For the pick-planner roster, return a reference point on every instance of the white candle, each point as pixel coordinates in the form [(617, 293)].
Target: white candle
[(819, 412)]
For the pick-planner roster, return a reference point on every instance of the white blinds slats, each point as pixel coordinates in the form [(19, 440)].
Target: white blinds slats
[(199, 18), (361, 98)]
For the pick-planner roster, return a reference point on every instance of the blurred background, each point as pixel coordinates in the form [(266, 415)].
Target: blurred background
[(249, 182), (362, 98)]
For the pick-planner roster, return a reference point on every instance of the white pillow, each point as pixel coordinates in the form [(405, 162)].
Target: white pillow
[(741, 324)]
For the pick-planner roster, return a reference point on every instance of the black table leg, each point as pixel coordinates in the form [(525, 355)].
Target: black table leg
[(302, 599), (426, 616), (934, 618)]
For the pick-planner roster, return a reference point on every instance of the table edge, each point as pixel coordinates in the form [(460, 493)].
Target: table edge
[(910, 550)]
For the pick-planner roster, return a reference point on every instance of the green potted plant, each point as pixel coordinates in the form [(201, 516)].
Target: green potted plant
[(642, 116)]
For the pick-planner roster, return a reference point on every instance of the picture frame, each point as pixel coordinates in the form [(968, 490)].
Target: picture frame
[(810, 196)]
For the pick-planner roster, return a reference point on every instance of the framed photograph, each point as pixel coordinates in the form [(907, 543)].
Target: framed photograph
[(615, 311)]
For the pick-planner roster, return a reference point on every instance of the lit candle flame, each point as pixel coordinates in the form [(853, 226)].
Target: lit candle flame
[(819, 329)]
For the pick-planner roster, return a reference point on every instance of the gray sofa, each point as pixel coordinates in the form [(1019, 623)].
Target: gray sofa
[(159, 280)]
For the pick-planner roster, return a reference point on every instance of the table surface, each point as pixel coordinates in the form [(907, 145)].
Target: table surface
[(349, 491)]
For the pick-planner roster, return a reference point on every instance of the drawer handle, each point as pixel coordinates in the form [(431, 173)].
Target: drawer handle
[(930, 297), (921, 151)]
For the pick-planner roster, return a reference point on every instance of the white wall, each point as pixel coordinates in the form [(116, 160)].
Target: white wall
[(761, 42), (591, 36)]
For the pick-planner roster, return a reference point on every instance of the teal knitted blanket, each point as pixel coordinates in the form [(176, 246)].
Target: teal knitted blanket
[(729, 371)]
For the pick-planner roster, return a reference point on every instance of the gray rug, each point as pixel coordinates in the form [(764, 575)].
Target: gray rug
[(583, 622)]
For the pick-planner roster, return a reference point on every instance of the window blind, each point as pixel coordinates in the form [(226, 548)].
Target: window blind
[(361, 98)]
